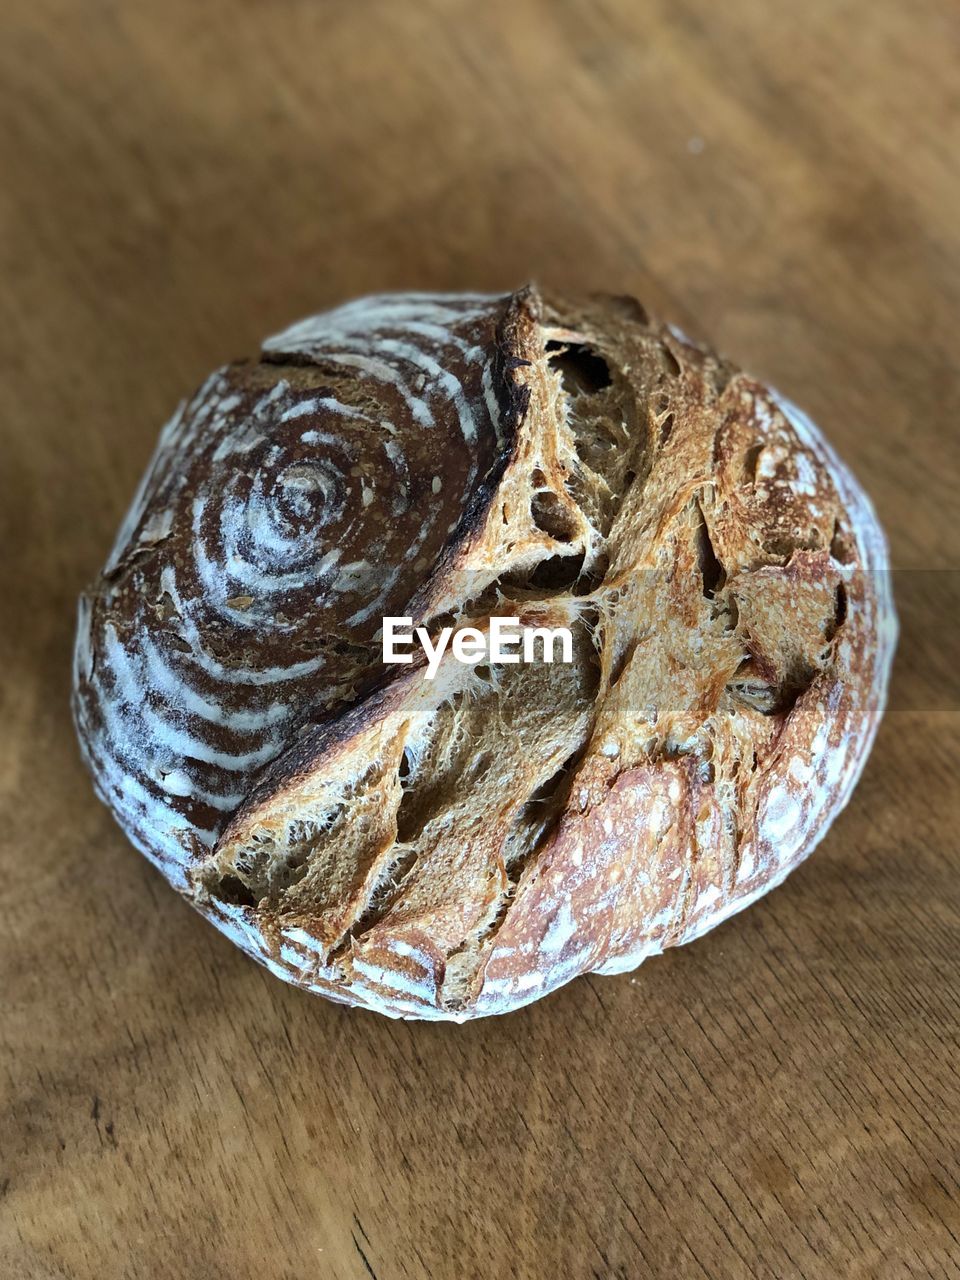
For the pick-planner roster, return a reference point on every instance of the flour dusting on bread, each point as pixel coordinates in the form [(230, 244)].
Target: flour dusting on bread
[(460, 846)]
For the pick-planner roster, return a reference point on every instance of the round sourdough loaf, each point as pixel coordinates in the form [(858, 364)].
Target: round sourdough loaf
[(460, 846)]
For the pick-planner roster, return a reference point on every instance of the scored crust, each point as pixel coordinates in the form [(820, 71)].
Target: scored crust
[(461, 846)]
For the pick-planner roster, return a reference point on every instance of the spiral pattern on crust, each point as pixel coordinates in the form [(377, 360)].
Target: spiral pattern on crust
[(290, 504)]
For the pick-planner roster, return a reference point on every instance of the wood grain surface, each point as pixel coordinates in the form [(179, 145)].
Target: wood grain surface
[(780, 1099)]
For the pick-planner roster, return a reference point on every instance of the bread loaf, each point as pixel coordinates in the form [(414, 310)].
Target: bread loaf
[(460, 846)]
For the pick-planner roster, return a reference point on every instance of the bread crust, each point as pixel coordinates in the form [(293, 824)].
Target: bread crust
[(459, 847)]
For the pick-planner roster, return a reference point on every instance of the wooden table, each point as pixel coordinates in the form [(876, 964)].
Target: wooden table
[(781, 1099)]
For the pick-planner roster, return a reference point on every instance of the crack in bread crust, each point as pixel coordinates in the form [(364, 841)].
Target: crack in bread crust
[(458, 847)]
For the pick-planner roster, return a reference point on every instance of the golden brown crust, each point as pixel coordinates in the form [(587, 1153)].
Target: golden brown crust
[(458, 847)]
